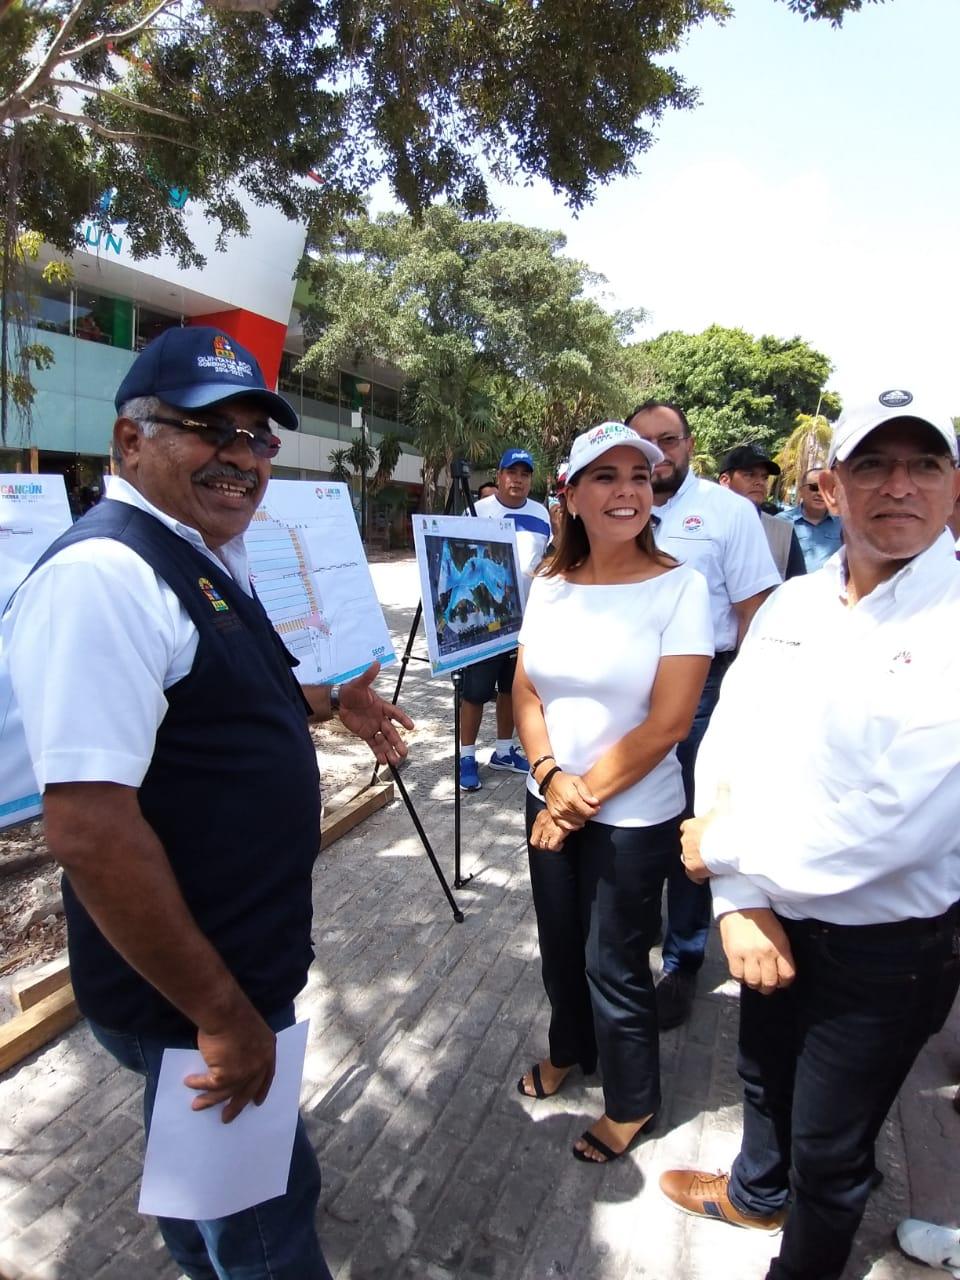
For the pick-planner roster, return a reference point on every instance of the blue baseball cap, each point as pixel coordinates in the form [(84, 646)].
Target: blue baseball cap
[(514, 456), (197, 367)]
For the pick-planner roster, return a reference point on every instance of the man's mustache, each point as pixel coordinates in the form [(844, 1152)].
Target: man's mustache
[(225, 471)]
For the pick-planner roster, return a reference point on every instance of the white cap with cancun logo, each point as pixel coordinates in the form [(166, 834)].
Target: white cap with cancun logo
[(592, 444), (856, 425)]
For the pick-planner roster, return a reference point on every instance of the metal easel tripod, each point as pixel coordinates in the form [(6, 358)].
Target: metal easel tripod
[(460, 476)]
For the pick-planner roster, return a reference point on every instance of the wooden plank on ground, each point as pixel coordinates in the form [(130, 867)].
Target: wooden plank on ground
[(29, 1031), (350, 815), (41, 983)]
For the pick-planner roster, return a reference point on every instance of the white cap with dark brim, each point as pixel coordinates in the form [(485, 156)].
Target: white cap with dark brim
[(594, 443), (856, 425)]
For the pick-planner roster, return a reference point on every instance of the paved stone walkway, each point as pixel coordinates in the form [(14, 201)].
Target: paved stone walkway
[(434, 1167)]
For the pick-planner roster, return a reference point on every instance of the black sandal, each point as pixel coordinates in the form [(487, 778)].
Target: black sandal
[(538, 1089), (608, 1153)]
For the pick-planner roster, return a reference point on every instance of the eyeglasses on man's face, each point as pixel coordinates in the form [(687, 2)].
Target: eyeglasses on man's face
[(872, 470), (812, 488), (666, 442), (220, 433)]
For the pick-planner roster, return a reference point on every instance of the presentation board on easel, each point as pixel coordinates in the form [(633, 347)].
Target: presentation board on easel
[(33, 512), (471, 587), (310, 571)]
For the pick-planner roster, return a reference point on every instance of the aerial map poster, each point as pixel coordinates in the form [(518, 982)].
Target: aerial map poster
[(33, 511), (309, 570), (470, 584)]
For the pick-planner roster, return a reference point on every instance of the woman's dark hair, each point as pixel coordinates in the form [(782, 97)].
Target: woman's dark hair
[(573, 545)]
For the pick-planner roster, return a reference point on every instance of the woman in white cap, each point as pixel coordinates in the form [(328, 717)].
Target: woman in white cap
[(614, 650)]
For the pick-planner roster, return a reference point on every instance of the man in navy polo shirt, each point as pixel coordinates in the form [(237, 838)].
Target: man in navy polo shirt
[(184, 803), (493, 678)]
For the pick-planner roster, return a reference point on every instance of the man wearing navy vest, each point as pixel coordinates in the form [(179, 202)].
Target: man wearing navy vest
[(170, 740)]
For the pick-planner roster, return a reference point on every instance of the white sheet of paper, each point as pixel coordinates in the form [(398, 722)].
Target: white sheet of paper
[(33, 511), (198, 1167)]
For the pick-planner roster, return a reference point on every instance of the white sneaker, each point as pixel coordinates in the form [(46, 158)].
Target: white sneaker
[(936, 1246)]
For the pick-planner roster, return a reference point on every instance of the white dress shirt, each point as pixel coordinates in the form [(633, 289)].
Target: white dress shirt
[(852, 814), (717, 531), (93, 639)]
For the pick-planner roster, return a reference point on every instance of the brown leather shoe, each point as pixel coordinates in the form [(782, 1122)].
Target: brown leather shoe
[(705, 1195)]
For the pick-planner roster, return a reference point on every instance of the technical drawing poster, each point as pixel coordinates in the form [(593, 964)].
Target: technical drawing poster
[(309, 570), (470, 584), (33, 511)]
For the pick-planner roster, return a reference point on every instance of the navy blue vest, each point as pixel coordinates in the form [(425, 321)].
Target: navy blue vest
[(232, 792)]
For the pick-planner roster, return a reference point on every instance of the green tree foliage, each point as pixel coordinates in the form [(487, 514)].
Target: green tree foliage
[(734, 388), (489, 321), (806, 447), (19, 358), (430, 95), (340, 465), (388, 455), (833, 11)]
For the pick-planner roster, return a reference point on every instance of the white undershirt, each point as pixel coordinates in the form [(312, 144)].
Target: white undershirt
[(93, 639), (592, 654)]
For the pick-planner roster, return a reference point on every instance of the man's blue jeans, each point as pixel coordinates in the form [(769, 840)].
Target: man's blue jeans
[(689, 904), (276, 1240), (821, 1063)]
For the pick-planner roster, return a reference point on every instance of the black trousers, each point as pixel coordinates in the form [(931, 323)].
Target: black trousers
[(822, 1062), (598, 911)]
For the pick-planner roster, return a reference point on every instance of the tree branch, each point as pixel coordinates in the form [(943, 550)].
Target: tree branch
[(112, 135), (118, 97), (44, 69), (115, 37)]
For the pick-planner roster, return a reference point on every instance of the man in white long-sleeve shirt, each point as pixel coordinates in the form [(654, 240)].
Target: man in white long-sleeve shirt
[(834, 850)]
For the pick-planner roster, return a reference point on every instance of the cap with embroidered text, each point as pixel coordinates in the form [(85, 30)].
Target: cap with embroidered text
[(594, 443), (197, 367), (514, 458), (855, 425)]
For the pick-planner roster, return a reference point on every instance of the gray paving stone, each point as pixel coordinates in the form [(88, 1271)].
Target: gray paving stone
[(450, 1234)]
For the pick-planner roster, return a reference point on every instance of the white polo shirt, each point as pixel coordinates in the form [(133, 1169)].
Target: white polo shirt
[(850, 815), (717, 531), (93, 639)]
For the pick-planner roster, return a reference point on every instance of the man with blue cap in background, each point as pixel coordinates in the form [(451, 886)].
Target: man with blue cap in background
[(493, 678), (183, 803)]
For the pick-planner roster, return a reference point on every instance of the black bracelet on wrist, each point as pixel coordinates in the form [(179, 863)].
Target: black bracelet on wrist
[(539, 761), (548, 778)]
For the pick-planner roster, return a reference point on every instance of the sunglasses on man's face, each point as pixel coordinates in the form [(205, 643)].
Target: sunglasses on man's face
[(220, 433), (812, 488)]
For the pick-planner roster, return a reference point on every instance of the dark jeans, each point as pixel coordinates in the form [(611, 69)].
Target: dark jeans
[(821, 1063), (598, 909), (276, 1240), (689, 904)]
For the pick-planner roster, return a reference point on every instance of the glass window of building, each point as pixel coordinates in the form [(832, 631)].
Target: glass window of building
[(385, 402), (289, 380), (48, 306), (98, 317), (150, 324)]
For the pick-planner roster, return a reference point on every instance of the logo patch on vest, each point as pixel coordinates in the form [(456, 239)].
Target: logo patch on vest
[(217, 601), (693, 524)]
